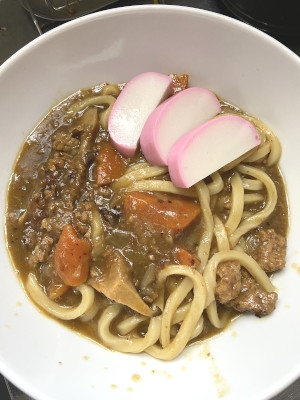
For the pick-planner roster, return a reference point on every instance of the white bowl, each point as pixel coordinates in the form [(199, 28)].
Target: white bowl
[(253, 359)]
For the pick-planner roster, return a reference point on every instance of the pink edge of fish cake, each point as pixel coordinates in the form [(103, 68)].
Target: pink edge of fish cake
[(140, 96), (173, 118), (210, 146)]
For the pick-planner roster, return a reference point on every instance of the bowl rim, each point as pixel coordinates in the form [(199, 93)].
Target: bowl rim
[(132, 10)]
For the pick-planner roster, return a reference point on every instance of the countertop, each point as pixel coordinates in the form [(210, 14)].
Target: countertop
[(17, 28)]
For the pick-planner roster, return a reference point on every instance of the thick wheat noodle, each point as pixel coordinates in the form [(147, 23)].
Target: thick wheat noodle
[(172, 314), (91, 312), (252, 184), (257, 218), (157, 185), (180, 314), (97, 233), (206, 238), (213, 316), (104, 114), (268, 137), (106, 101), (139, 344), (129, 324), (190, 321), (137, 175), (261, 152), (223, 245), (198, 329), (135, 167), (220, 234), (217, 184), (111, 89), (149, 276), (245, 260), (98, 100), (246, 215), (189, 315), (127, 344), (275, 151), (237, 203), (172, 304), (61, 312), (253, 198)]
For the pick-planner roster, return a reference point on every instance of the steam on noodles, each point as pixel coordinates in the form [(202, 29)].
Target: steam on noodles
[(138, 297)]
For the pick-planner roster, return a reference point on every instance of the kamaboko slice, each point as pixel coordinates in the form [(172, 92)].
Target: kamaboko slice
[(140, 96), (209, 147), (173, 118)]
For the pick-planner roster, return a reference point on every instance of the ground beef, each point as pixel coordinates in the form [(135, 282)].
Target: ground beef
[(270, 250), (228, 281), (57, 197), (64, 141), (41, 251), (253, 298)]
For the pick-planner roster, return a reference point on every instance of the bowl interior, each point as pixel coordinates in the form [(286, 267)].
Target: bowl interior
[(241, 64)]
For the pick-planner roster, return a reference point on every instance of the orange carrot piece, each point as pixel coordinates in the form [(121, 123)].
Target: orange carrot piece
[(184, 257), (162, 211), (110, 164), (57, 289), (72, 257)]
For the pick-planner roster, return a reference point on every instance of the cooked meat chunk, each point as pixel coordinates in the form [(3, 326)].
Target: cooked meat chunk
[(270, 250), (228, 281), (253, 298)]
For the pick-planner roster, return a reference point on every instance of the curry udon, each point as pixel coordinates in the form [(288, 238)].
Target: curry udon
[(111, 247)]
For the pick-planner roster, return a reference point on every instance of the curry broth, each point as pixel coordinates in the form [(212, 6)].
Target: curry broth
[(144, 247)]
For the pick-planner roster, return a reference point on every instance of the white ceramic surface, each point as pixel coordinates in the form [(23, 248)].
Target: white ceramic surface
[(255, 358)]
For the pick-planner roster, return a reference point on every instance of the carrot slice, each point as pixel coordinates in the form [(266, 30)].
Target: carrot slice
[(57, 289), (110, 164), (72, 257), (184, 257), (165, 212)]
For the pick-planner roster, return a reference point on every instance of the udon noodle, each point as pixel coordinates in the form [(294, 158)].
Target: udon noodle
[(182, 301)]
